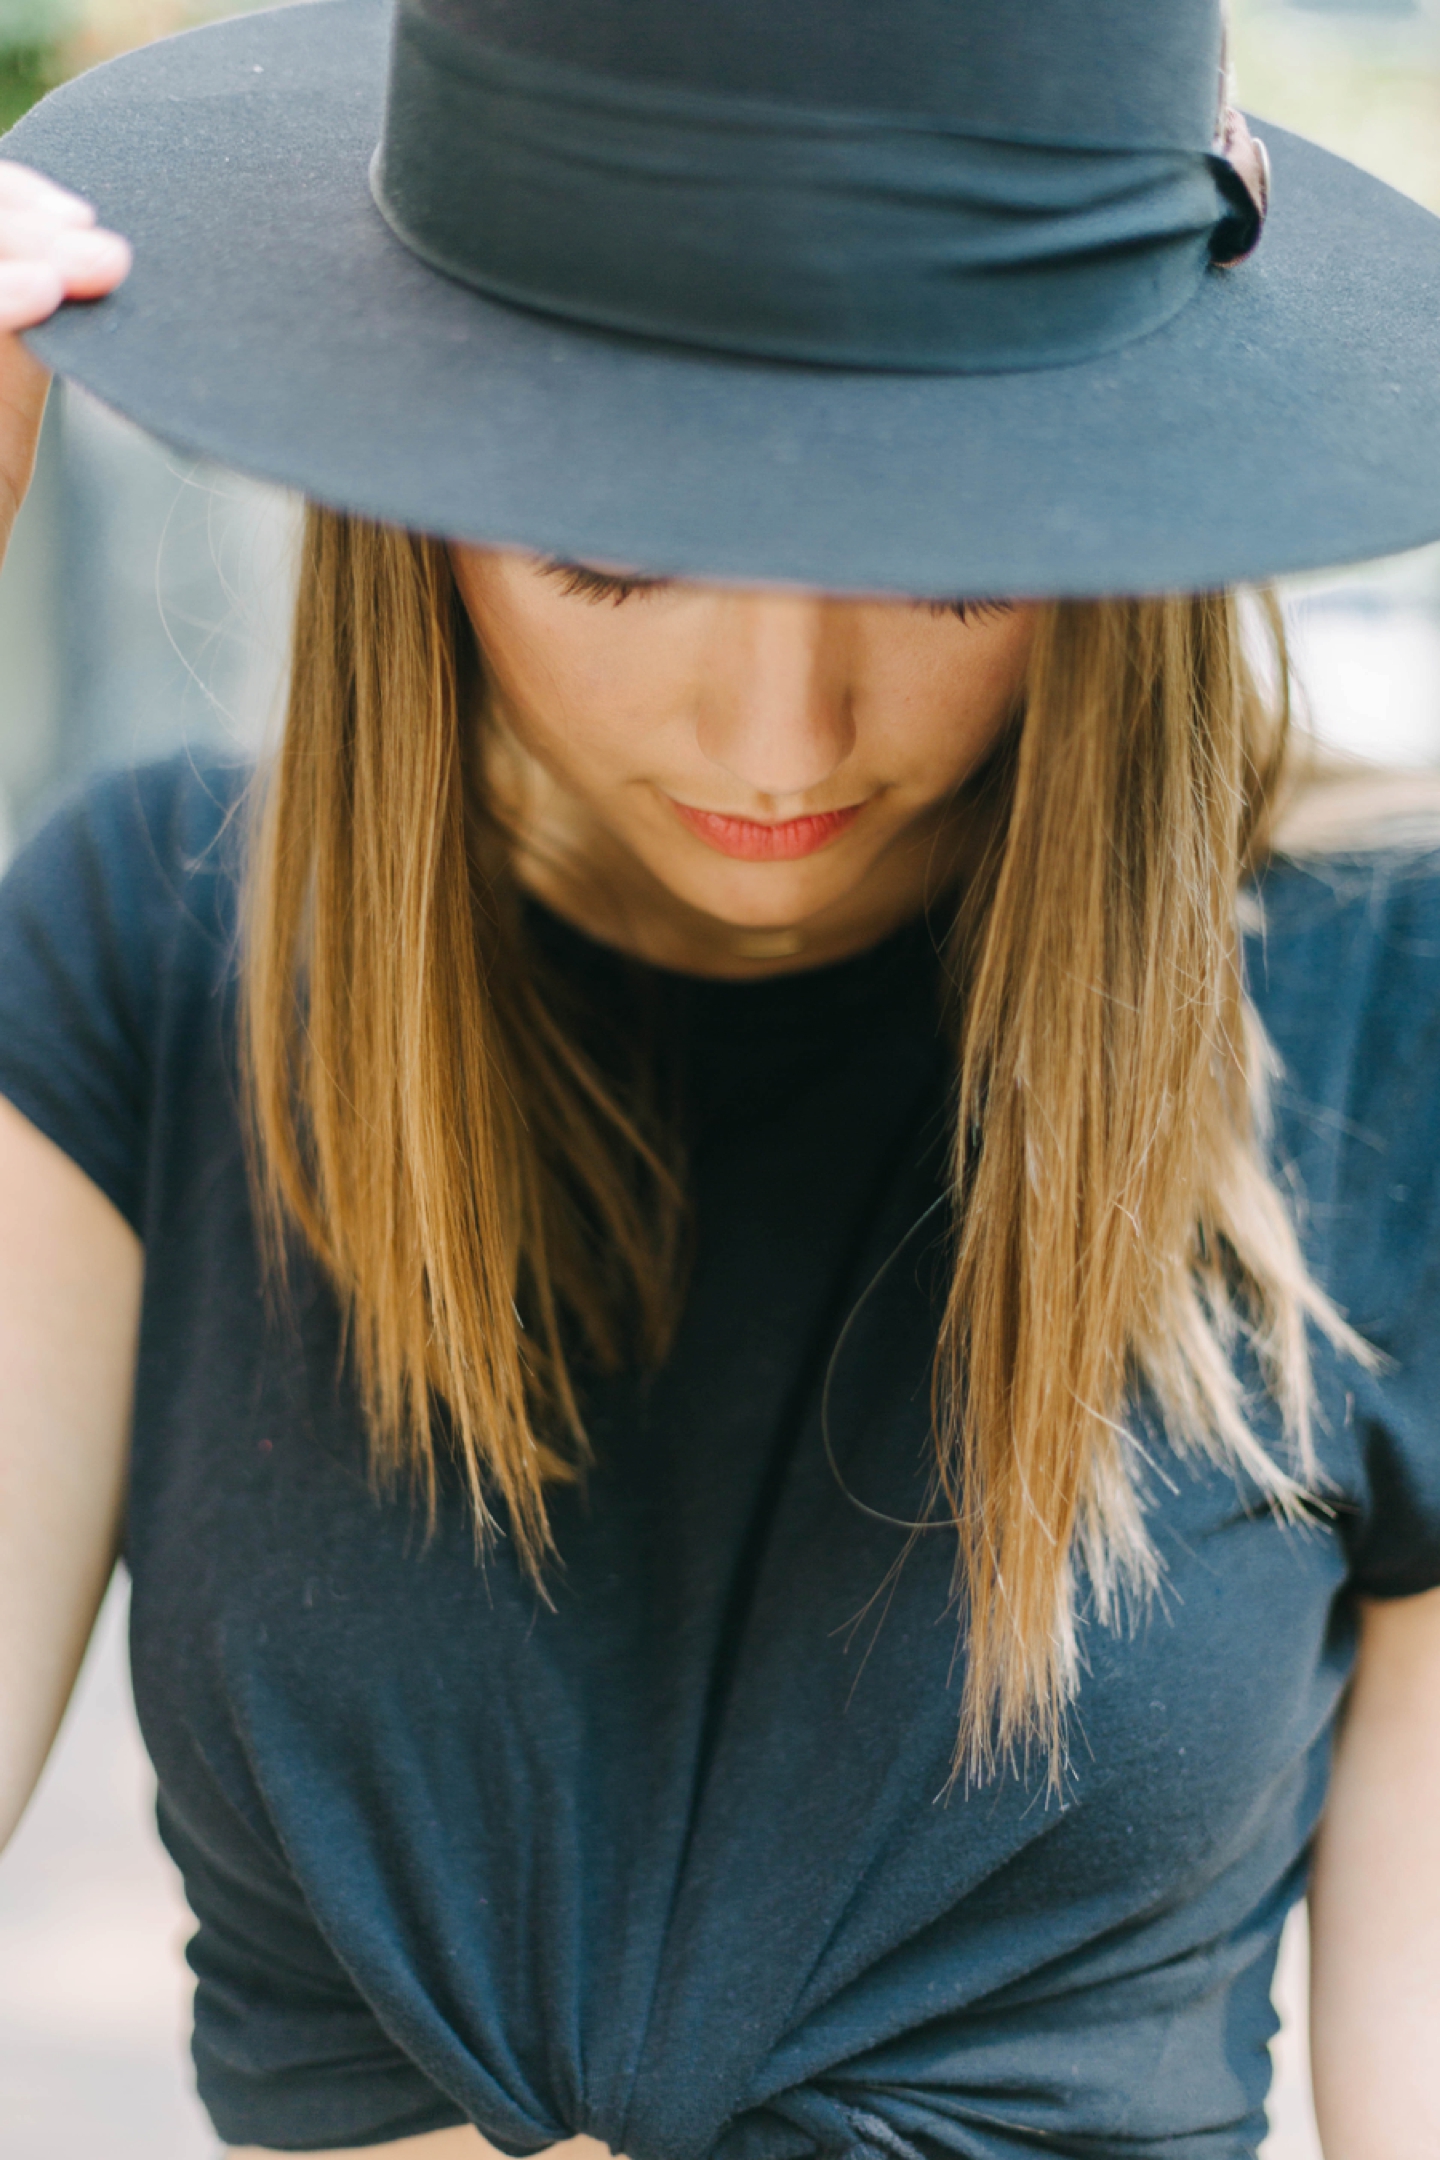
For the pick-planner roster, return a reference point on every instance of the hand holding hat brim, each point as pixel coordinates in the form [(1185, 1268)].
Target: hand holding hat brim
[(51, 250)]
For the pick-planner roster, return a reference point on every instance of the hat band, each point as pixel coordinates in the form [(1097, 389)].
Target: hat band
[(745, 226)]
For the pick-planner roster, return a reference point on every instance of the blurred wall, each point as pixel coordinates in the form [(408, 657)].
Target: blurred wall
[(1360, 76), (144, 605)]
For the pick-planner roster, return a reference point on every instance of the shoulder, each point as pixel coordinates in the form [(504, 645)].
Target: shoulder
[(1343, 920), (1344, 948), (134, 855), (1343, 962), (1349, 932), (117, 931), (166, 821)]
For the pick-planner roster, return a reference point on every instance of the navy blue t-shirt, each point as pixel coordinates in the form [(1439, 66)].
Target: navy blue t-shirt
[(673, 1863)]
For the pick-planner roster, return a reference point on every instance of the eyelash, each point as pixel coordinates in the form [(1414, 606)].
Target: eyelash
[(970, 610), (578, 582)]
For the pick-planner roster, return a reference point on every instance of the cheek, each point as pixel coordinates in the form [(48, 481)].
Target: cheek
[(589, 758), (945, 700), (592, 723), (577, 703), (577, 692)]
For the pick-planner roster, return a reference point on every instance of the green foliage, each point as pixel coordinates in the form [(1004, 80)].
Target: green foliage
[(30, 36), (31, 32), (26, 73), (26, 24)]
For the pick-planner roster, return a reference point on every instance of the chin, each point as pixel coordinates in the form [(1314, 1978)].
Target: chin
[(769, 896)]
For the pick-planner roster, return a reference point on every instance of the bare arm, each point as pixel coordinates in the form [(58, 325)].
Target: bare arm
[(70, 1274), (1375, 1900), (69, 1267)]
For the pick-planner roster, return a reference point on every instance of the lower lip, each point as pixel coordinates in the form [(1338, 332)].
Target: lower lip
[(747, 840)]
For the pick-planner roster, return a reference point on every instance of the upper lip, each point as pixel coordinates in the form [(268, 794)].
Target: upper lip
[(748, 817)]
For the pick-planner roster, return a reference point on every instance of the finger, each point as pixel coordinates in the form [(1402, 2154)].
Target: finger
[(30, 232), (91, 263), (90, 260), (29, 293), (42, 264), (24, 188)]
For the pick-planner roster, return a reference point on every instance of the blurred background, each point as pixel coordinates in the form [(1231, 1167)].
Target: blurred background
[(143, 607)]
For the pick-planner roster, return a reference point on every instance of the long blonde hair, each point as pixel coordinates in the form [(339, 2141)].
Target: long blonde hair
[(487, 1201)]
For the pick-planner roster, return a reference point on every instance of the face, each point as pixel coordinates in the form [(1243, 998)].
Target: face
[(725, 779)]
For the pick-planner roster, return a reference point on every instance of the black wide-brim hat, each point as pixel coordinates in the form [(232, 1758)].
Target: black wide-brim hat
[(935, 297)]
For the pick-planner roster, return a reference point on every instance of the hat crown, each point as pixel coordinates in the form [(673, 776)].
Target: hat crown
[(1136, 72), (957, 185)]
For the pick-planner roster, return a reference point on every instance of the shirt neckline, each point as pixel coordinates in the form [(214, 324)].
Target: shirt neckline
[(887, 974)]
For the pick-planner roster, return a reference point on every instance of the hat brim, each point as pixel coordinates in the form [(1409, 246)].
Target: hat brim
[(1286, 419)]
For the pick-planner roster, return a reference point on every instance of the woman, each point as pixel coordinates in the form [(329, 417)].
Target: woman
[(779, 1382)]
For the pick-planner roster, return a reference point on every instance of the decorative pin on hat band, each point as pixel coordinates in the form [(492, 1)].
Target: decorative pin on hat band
[(1240, 156)]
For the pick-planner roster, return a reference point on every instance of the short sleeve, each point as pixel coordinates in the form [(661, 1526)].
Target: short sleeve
[(116, 891), (1393, 1136), (1357, 1022)]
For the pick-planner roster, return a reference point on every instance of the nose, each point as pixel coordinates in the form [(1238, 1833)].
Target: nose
[(776, 710)]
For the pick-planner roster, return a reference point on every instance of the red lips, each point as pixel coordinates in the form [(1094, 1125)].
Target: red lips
[(751, 840)]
